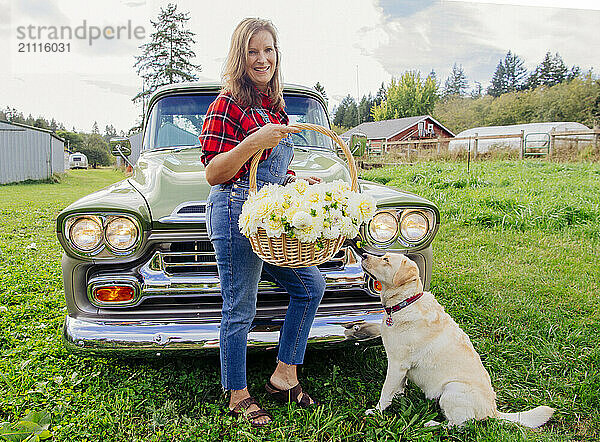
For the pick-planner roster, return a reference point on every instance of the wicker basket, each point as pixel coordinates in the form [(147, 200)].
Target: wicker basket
[(289, 252)]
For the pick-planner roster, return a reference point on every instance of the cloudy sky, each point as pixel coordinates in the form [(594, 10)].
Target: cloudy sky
[(349, 46)]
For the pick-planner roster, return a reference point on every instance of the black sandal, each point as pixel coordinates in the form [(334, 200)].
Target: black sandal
[(291, 395), (241, 410)]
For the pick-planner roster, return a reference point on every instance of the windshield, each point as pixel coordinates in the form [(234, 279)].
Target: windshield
[(177, 121)]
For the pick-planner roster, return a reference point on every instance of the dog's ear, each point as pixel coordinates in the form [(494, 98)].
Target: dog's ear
[(404, 274)]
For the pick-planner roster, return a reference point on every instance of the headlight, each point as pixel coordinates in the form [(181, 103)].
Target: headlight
[(414, 226), (383, 228), (85, 234), (121, 233)]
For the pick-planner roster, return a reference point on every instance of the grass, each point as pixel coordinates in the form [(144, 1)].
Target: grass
[(515, 265)]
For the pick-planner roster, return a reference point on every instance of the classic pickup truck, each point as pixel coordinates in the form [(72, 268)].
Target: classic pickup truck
[(139, 271)]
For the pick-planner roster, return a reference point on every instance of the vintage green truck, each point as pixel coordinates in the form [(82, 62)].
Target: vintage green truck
[(139, 272)]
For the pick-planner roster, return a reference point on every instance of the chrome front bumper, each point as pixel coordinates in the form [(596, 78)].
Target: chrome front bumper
[(148, 338)]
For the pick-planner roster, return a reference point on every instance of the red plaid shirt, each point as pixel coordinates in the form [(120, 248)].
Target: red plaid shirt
[(226, 124)]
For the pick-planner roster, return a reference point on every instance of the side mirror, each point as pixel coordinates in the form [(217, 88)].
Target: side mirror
[(358, 144), (120, 147)]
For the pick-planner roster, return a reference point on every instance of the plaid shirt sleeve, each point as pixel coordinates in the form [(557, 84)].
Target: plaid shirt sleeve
[(226, 125), (221, 130)]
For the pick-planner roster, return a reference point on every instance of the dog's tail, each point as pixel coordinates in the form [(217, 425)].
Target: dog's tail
[(532, 418)]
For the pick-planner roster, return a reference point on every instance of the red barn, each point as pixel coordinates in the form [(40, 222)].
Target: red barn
[(400, 129)]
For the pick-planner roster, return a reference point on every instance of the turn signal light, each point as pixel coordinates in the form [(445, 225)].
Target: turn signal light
[(115, 293), (377, 286)]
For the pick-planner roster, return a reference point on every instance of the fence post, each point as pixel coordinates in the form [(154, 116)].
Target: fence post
[(552, 141), (475, 145), (596, 138), (522, 154)]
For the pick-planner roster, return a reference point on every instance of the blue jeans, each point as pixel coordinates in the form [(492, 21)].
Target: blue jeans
[(239, 273)]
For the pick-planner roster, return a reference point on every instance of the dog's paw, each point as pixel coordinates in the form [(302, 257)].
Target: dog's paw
[(371, 411), (432, 423)]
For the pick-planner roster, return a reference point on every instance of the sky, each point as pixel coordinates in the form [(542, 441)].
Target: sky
[(349, 46)]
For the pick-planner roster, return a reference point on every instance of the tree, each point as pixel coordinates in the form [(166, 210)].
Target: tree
[(381, 94), (407, 96), (551, 71), (346, 114), (456, 83), (477, 90), (509, 76), (166, 59), (73, 140), (95, 128), (514, 72), (95, 149), (364, 108), (109, 132), (320, 89)]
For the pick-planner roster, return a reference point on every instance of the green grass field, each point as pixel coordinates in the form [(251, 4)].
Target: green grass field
[(516, 265)]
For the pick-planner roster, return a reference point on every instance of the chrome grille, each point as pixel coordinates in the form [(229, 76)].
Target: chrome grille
[(192, 209), (189, 257), (199, 257)]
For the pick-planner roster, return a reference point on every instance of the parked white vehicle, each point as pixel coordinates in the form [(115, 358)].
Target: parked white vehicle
[(78, 160)]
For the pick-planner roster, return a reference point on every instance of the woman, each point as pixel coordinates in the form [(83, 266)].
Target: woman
[(248, 115)]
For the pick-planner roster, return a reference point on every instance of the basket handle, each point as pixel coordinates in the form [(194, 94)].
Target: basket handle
[(321, 129)]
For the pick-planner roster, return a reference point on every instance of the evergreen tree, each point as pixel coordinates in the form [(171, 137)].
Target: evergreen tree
[(509, 76), (166, 59), (551, 71), (109, 132), (514, 71), (364, 108), (320, 89), (346, 114), (351, 115), (477, 90), (95, 128), (456, 83), (381, 94)]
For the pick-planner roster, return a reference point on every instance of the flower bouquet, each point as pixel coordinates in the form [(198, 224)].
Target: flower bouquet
[(301, 225)]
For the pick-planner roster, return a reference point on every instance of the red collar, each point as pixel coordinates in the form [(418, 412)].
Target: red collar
[(401, 305)]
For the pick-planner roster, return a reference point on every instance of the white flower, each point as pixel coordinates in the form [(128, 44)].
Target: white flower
[(361, 207), (319, 211), (300, 186), (274, 227), (348, 228), (301, 220)]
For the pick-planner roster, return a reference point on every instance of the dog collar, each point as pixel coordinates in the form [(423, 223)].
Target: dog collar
[(405, 303)]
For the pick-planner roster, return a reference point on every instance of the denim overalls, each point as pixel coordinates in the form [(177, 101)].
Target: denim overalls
[(240, 270)]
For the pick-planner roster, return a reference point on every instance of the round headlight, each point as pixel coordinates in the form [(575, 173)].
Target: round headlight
[(383, 228), (414, 226), (121, 233), (85, 234)]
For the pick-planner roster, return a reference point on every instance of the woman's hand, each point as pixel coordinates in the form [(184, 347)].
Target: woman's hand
[(225, 165), (310, 179), (269, 135)]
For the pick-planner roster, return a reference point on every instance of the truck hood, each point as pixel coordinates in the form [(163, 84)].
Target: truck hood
[(169, 179)]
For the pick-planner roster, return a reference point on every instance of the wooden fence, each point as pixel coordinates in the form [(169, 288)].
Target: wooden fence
[(473, 141)]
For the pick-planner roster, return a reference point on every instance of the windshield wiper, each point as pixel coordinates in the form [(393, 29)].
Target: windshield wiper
[(176, 148), (306, 148)]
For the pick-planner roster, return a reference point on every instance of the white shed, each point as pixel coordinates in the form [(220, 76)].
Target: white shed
[(29, 153), (534, 131)]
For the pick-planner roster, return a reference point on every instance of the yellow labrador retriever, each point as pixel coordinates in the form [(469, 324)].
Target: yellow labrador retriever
[(425, 345)]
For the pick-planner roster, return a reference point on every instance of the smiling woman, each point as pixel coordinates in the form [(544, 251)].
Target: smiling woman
[(247, 117)]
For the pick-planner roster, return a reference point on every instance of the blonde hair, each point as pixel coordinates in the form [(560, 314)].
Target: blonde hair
[(235, 78)]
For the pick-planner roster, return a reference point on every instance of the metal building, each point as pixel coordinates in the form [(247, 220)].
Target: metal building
[(29, 153)]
